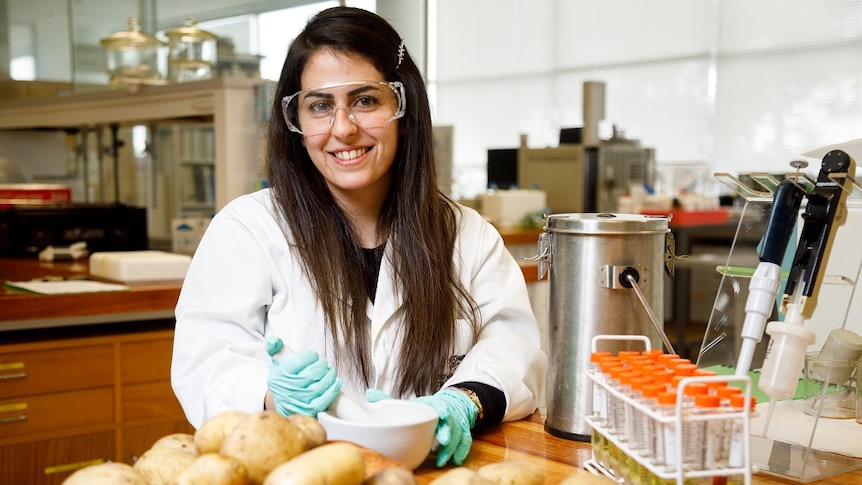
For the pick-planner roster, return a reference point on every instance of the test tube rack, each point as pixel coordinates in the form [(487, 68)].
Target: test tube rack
[(676, 423)]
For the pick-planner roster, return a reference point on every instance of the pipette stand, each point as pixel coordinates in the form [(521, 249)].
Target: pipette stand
[(721, 344)]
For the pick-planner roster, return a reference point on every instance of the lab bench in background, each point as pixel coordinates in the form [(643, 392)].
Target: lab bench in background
[(84, 378)]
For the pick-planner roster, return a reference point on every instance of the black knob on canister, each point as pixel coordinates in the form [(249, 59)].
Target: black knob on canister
[(624, 276)]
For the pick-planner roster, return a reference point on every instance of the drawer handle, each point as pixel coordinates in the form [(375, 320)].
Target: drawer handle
[(16, 375), (8, 408), (13, 419), (51, 470)]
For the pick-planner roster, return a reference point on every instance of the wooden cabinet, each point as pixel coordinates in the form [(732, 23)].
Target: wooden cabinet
[(70, 402)]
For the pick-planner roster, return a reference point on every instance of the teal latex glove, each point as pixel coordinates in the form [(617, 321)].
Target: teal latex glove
[(300, 384), (457, 415)]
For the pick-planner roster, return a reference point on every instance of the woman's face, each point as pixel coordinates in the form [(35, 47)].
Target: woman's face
[(355, 161)]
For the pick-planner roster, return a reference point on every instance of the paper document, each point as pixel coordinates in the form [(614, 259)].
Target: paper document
[(61, 287)]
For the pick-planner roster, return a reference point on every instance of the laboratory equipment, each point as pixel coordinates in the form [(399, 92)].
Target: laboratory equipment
[(794, 451), (192, 53), (825, 211), (692, 439), (132, 56), (589, 259)]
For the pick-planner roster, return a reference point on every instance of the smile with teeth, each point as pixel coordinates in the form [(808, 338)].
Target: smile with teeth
[(350, 154)]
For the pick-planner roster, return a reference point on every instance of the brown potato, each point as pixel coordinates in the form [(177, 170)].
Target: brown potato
[(586, 478), (391, 476), (314, 432), (160, 466), (375, 461), (211, 434), (180, 441), (262, 441), (515, 472), (330, 464), (461, 476), (213, 469), (106, 474)]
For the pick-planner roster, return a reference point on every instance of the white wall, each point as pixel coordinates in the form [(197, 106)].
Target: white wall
[(741, 86)]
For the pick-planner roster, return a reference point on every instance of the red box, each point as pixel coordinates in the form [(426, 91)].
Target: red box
[(680, 217), (34, 194)]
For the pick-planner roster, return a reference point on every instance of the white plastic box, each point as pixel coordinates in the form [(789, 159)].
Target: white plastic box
[(508, 208), (136, 266)]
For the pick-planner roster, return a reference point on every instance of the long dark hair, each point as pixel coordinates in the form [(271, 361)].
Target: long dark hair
[(417, 219)]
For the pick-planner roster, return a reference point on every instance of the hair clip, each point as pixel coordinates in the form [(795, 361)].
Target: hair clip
[(400, 54)]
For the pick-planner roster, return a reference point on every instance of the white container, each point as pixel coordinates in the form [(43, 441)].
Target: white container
[(135, 266), (508, 208)]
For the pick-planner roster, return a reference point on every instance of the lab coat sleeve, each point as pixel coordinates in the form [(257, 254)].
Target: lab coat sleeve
[(508, 355), (219, 360)]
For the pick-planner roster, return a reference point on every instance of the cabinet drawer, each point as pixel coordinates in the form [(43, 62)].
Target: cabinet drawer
[(146, 361), (150, 400), (52, 412), (50, 462), (65, 369)]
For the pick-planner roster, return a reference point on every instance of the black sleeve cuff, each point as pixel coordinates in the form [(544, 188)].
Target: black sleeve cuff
[(493, 402)]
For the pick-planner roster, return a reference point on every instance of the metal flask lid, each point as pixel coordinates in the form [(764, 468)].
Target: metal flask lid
[(606, 223), (132, 39)]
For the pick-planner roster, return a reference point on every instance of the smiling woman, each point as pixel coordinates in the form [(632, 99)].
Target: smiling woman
[(356, 260)]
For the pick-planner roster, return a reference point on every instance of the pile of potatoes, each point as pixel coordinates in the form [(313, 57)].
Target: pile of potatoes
[(266, 448), (238, 448)]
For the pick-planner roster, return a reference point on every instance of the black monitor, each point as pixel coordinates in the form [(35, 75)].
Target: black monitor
[(571, 135), (502, 168)]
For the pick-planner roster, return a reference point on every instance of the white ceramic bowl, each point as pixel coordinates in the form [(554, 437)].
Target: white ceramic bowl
[(402, 430)]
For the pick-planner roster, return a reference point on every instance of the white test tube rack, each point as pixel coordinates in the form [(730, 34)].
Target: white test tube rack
[(678, 473)]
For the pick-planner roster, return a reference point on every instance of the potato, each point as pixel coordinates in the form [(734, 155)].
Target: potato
[(106, 474), (391, 476), (587, 478), (461, 476), (516, 472), (180, 441), (375, 461), (314, 432), (213, 469), (162, 465), (330, 464), (211, 434), (262, 441)]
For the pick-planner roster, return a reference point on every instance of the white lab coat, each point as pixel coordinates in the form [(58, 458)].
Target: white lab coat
[(244, 285)]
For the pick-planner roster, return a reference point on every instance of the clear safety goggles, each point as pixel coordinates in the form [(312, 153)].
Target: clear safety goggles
[(368, 104)]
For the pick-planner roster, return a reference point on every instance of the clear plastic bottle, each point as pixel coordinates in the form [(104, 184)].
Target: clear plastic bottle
[(601, 406), (736, 438), (600, 396), (653, 354), (692, 431), (628, 410), (616, 408), (708, 448), (665, 359), (639, 441), (667, 443)]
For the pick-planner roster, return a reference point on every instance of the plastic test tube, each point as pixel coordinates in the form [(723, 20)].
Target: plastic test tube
[(666, 446)]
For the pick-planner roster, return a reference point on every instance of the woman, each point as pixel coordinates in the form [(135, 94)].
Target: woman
[(355, 258)]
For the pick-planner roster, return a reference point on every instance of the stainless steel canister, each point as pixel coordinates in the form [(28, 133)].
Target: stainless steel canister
[(588, 258)]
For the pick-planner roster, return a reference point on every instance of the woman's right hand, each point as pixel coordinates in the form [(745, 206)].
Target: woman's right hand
[(301, 384)]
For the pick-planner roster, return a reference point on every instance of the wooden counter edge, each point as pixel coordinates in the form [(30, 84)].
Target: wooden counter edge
[(527, 439)]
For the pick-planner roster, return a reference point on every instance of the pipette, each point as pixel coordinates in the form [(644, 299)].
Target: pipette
[(764, 284), (825, 212)]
